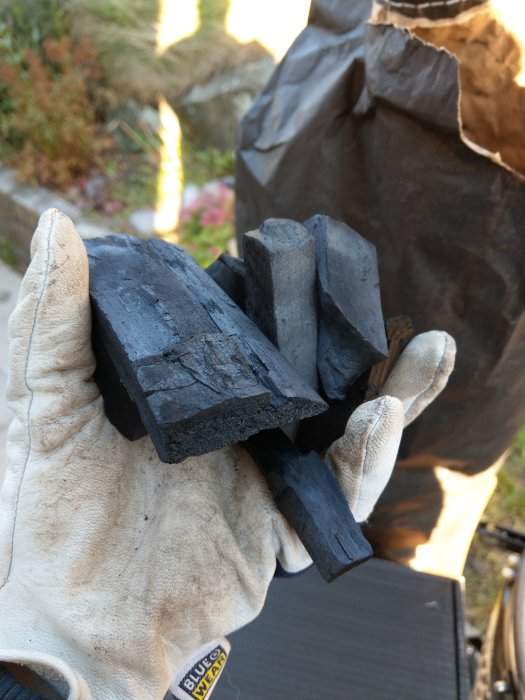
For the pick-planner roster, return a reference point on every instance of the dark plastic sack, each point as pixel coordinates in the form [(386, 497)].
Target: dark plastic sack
[(421, 152)]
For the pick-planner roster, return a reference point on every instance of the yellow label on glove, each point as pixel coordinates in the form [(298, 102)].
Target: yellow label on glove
[(199, 675)]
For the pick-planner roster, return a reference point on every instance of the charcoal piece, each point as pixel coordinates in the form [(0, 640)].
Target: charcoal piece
[(118, 405), (309, 496), (318, 432), (281, 290), (304, 488), (351, 328), (200, 373), (229, 273)]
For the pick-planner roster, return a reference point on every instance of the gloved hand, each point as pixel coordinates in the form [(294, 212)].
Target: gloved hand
[(114, 567)]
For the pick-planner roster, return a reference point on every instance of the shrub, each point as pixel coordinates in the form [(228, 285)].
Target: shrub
[(49, 113), (24, 24), (45, 114)]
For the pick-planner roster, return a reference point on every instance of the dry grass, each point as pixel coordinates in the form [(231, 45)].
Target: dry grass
[(124, 35)]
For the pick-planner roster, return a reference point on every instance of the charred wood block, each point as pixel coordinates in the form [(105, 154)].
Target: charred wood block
[(309, 496), (118, 405), (229, 273), (281, 290), (351, 328), (200, 373), (291, 394)]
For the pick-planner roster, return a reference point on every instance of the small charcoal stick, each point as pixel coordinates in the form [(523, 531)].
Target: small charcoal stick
[(309, 496), (229, 273), (351, 327), (318, 433), (281, 293)]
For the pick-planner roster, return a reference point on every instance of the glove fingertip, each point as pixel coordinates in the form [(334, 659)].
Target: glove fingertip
[(385, 413), (48, 222), (371, 445), (440, 357), (422, 371)]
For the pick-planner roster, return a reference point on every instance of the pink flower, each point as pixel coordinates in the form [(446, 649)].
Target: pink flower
[(216, 193), (213, 217), (192, 206)]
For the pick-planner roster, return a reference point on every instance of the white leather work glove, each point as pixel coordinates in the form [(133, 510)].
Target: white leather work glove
[(115, 568)]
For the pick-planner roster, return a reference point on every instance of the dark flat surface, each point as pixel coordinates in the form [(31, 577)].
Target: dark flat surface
[(381, 632)]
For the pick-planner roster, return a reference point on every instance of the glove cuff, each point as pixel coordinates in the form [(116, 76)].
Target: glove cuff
[(12, 689), (65, 680)]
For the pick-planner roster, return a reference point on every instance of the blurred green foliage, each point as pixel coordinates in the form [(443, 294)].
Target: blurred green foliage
[(7, 252), (204, 164), (48, 102), (24, 24), (507, 508)]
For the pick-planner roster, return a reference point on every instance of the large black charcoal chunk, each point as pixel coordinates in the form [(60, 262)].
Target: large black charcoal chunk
[(281, 290), (118, 405), (291, 394), (351, 328), (200, 373)]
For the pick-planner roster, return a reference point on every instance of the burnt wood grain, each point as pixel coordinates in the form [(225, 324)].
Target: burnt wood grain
[(200, 373)]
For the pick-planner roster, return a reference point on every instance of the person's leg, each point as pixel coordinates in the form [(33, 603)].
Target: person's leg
[(426, 518)]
